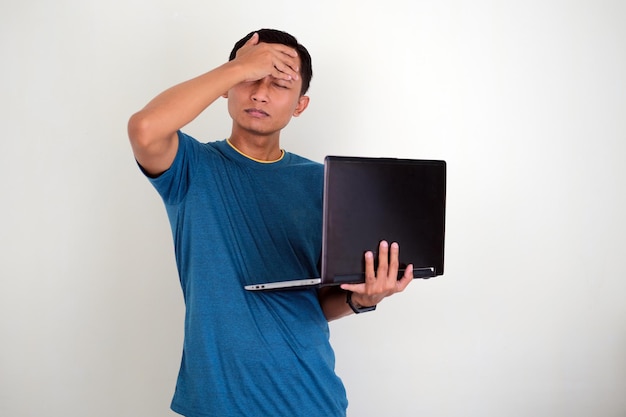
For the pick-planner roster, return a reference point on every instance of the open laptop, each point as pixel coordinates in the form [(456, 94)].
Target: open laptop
[(367, 200)]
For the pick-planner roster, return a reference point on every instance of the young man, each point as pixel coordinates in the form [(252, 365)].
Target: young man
[(244, 211)]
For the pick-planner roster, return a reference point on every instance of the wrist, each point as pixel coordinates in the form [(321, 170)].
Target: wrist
[(356, 306)]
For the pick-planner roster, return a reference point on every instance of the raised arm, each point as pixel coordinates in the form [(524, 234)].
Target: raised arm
[(153, 130)]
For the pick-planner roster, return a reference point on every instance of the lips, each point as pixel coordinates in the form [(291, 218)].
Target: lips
[(256, 113)]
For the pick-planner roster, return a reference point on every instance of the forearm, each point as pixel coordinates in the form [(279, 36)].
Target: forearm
[(333, 302), (179, 105)]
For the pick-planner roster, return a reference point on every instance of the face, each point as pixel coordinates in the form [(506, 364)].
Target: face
[(264, 107)]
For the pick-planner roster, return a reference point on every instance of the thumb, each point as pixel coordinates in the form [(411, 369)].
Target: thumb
[(254, 39)]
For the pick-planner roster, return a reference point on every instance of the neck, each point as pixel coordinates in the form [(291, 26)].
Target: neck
[(264, 153)]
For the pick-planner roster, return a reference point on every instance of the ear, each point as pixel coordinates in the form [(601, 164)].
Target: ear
[(303, 103)]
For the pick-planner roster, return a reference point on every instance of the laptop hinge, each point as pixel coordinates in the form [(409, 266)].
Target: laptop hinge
[(425, 273)]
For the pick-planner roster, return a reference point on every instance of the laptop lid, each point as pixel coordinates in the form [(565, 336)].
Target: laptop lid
[(367, 200)]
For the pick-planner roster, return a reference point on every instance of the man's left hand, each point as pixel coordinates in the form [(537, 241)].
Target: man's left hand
[(384, 281)]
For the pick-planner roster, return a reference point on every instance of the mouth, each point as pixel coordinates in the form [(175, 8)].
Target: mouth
[(256, 113)]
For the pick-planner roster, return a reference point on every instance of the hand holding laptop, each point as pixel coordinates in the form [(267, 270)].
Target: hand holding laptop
[(384, 281)]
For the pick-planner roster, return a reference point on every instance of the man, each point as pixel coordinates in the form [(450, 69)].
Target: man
[(244, 211)]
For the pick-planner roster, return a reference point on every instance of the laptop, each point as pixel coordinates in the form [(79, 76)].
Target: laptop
[(367, 200)]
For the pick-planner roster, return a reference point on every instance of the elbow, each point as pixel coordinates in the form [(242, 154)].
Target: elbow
[(153, 149), (139, 128)]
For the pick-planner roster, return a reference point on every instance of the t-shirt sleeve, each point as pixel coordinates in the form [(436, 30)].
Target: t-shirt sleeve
[(172, 185)]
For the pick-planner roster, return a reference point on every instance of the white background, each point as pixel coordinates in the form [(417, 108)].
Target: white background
[(525, 100)]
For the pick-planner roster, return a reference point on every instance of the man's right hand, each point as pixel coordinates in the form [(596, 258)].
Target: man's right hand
[(262, 59)]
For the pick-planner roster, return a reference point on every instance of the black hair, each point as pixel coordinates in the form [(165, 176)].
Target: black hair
[(283, 38)]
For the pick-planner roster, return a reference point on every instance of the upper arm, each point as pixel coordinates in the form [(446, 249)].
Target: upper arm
[(154, 153)]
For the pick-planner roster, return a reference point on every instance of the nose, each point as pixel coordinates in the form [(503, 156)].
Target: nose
[(260, 90)]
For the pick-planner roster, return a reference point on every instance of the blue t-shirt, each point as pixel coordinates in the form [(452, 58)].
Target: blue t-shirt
[(236, 222)]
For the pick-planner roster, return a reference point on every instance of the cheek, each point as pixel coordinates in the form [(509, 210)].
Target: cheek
[(290, 104), (234, 100), (289, 111), (231, 107)]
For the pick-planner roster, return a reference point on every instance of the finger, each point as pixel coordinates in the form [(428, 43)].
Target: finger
[(370, 275), (287, 50), (383, 259), (406, 279), (393, 261), (355, 288), (284, 72), (287, 67)]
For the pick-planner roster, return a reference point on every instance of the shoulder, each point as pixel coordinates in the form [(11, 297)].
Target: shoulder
[(296, 160), (309, 172)]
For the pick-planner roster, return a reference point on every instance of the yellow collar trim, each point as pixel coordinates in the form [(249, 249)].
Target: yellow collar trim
[(282, 154)]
